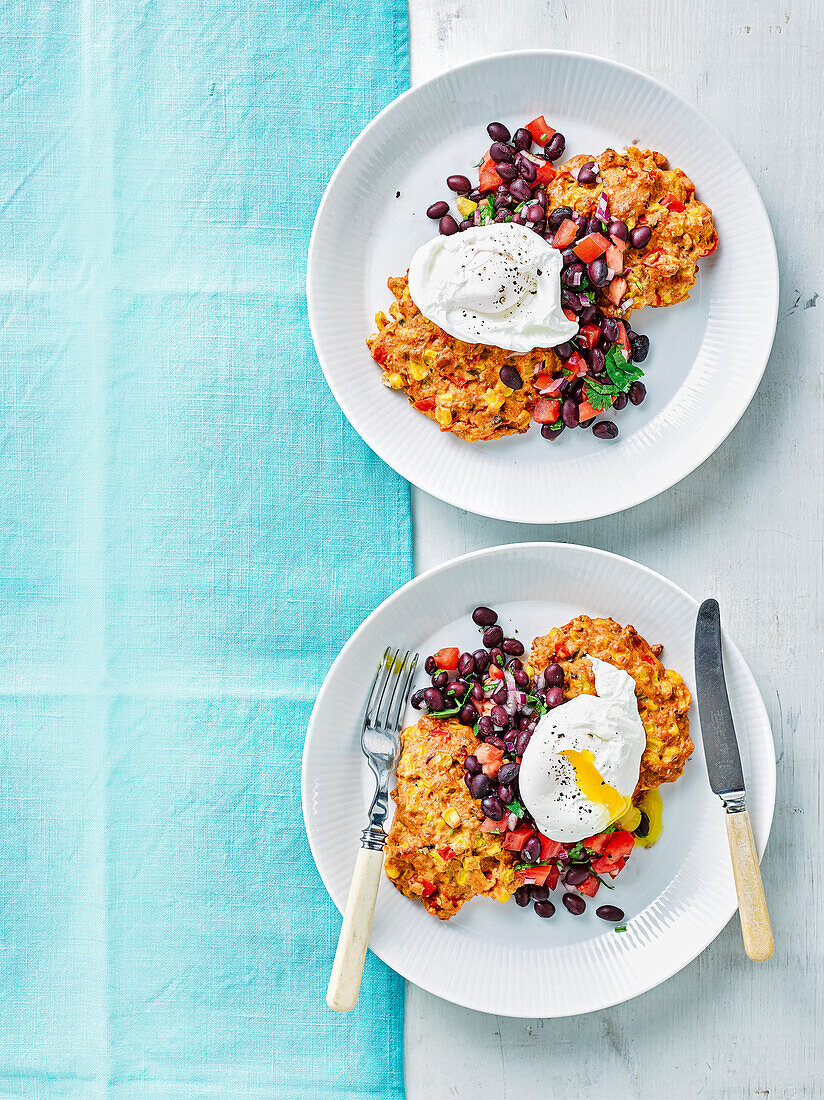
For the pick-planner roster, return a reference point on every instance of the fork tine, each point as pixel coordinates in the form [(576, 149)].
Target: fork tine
[(388, 664), (398, 670), (395, 718), (374, 692)]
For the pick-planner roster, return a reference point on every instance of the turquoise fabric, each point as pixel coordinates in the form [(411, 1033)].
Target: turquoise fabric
[(189, 531)]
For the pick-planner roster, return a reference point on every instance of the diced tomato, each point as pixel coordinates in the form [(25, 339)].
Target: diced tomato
[(615, 290), (597, 843), (620, 845), (515, 840), (562, 650), (616, 870), (565, 234), (490, 826), (591, 247), (617, 242), (426, 404), (588, 336), (446, 853), (576, 364), (542, 381), (380, 353), (589, 886), (569, 314), (495, 673), (547, 385), (615, 259), (447, 659), (546, 172), (552, 878), (533, 876), (587, 411), (623, 340), (488, 177), (546, 411), (602, 866), (428, 887), (488, 754), (550, 848), (540, 129), (672, 203)]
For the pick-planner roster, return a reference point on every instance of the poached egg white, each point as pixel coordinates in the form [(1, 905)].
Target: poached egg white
[(497, 284), (581, 766)]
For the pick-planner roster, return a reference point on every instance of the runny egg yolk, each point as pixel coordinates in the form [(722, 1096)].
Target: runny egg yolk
[(593, 787), (650, 802)]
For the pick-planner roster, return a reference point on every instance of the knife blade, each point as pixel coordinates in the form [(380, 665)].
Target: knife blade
[(717, 727)]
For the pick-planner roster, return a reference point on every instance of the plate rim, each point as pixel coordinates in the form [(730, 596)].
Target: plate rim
[(703, 452), (545, 548)]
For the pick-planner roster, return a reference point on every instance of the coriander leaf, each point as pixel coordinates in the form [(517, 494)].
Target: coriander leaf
[(515, 807), (590, 295), (599, 396)]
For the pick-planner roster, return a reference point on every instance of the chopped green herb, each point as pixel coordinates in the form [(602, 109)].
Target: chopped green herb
[(515, 807), (620, 928), (603, 881)]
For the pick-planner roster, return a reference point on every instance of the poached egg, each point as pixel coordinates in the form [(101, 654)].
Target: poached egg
[(497, 284), (581, 766)]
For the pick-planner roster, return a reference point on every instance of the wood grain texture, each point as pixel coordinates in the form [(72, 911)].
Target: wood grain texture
[(752, 905), (746, 527)]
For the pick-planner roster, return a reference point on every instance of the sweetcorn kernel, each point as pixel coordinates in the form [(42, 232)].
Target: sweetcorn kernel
[(443, 417), (452, 817), (465, 206), (418, 370), (429, 357), (392, 871), (393, 380)]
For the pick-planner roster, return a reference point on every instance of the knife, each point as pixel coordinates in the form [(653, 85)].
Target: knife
[(727, 781)]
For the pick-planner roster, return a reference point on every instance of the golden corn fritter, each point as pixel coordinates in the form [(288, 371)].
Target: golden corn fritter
[(635, 182), (436, 852), (663, 698), (455, 384)]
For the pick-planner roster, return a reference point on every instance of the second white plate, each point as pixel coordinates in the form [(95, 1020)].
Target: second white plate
[(707, 355), (677, 896)]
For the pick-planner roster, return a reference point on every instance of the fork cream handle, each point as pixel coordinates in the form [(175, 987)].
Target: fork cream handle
[(347, 970), (752, 905)]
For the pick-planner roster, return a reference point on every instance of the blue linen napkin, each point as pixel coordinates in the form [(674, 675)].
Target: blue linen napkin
[(183, 518)]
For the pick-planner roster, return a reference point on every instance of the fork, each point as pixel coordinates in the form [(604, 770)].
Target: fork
[(380, 744)]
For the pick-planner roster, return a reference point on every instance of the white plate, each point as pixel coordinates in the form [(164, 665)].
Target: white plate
[(707, 355), (677, 895)]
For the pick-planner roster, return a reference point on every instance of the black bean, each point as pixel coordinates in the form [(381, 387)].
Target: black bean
[(563, 351), (535, 213), (459, 184), (618, 228), (492, 807), (485, 726), (457, 687), (569, 413), (430, 667), (484, 616), (437, 210), (475, 194), (522, 139), (518, 219), (620, 402), (550, 431), (498, 132), (539, 196), (510, 377), (605, 430), (417, 700), (521, 742), (520, 191), (640, 348), (507, 172), (537, 227), (544, 908), (467, 223), (539, 893), (472, 765), (433, 698), (576, 875), (637, 392), (478, 692), (440, 679), (595, 359), (573, 275), (526, 168), (593, 225), (640, 236), (558, 215), (505, 793), (501, 215), (493, 636), (588, 313), (513, 647), (466, 664), (501, 152), (497, 656), (610, 329), (554, 148), (554, 676), (481, 659), (514, 664), (447, 226), (643, 825), (502, 201), (521, 896), (467, 715), (521, 678), (508, 772), (480, 785), (575, 904), (610, 912), (554, 697), (500, 695), (499, 717), (598, 272), (495, 742), (531, 851), (586, 174)]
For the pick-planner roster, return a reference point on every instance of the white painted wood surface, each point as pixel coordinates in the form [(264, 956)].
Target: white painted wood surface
[(746, 527)]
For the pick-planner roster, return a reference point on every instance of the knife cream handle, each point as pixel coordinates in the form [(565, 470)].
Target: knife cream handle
[(752, 905), (347, 969)]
